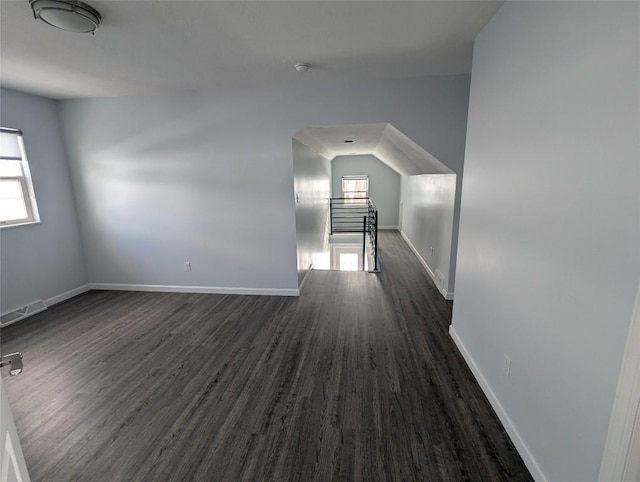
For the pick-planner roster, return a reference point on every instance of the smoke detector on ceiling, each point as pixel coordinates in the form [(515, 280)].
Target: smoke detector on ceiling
[(69, 15), (302, 67)]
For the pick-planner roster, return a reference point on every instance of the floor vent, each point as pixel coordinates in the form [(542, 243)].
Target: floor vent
[(20, 313)]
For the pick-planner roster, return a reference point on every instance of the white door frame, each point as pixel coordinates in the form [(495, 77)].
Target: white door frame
[(12, 465), (625, 417)]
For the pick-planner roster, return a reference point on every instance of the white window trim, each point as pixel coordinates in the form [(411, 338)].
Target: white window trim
[(33, 215), (354, 177)]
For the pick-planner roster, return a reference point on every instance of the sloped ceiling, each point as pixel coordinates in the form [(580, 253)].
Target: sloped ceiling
[(384, 141), (146, 47)]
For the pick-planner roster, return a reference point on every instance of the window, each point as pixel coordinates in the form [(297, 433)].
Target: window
[(17, 200), (355, 187)]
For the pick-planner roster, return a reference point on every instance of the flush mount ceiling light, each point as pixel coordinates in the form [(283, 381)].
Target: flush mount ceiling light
[(70, 15), (302, 67)]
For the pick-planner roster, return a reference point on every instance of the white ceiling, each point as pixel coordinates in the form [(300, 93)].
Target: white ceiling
[(329, 140), (384, 141), (161, 46)]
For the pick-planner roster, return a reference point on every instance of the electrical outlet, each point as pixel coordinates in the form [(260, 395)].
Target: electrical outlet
[(187, 266), (506, 365)]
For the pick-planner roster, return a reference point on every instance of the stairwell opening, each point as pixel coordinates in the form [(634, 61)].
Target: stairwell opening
[(416, 196)]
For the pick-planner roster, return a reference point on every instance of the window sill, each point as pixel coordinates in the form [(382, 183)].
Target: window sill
[(5, 226)]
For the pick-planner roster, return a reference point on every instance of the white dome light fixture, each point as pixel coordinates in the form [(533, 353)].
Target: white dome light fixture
[(69, 15), (302, 67)]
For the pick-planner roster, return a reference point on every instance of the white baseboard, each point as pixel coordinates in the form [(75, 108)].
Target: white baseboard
[(45, 304), (304, 278), (415, 251), (67, 294), (447, 295), (59, 298), (177, 289), (518, 442), (195, 289)]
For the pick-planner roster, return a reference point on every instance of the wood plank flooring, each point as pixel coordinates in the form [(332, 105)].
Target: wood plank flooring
[(357, 379)]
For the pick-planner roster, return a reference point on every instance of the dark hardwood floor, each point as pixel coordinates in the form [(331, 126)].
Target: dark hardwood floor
[(357, 379)]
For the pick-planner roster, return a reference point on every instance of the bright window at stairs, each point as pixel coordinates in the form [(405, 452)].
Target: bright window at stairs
[(355, 187)]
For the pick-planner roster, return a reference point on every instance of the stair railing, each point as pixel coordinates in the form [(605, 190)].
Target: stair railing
[(356, 215), (372, 231)]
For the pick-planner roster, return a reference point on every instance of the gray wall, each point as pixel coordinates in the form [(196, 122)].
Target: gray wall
[(384, 184), (312, 182), (40, 261), (427, 221), (207, 177), (549, 251)]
